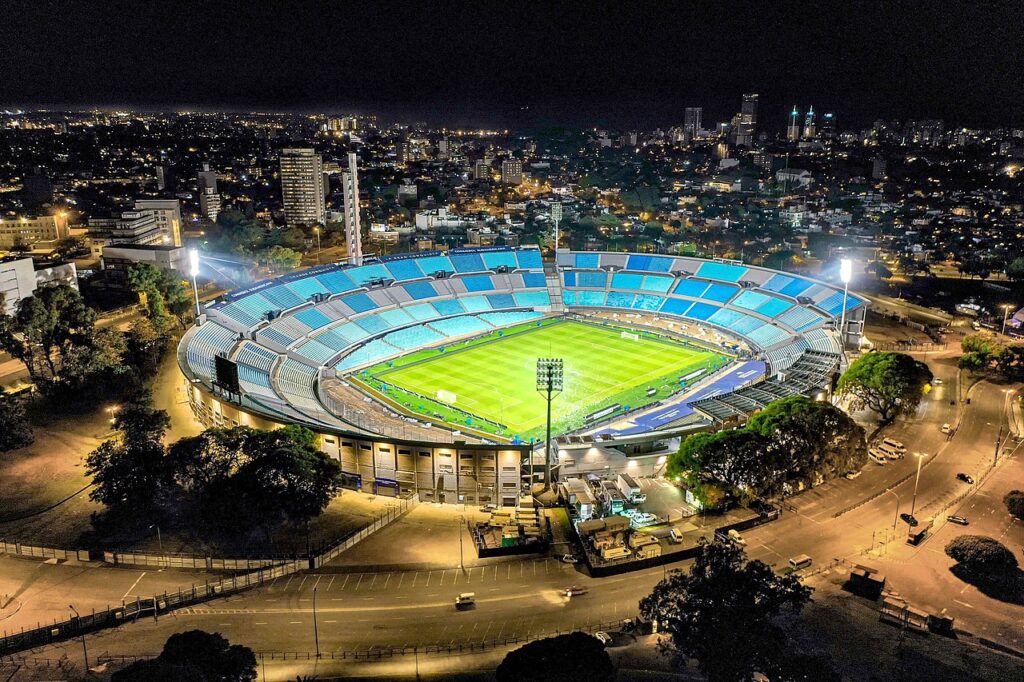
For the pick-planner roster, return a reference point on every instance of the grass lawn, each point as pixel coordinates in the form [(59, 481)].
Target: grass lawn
[(496, 379)]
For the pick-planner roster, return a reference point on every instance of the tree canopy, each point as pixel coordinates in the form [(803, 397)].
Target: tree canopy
[(890, 384), (1014, 501), (15, 431), (167, 295), (793, 439), (984, 352), (722, 611), (197, 656), (575, 657), (981, 554)]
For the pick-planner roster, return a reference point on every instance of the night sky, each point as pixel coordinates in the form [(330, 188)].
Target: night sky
[(483, 62)]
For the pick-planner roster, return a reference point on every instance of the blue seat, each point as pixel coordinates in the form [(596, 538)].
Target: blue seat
[(449, 306), (312, 318), (529, 259), (336, 282), (719, 292), (404, 269), (721, 271), (497, 259), (477, 283), (308, 287), (658, 283), (534, 280), (359, 303), (467, 262), (418, 290), (590, 261), (675, 306), (433, 264), (501, 300), (626, 280), (592, 280), (702, 311), (691, 287), (530, 299)]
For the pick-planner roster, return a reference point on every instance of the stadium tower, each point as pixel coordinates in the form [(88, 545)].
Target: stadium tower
[(353, 232)]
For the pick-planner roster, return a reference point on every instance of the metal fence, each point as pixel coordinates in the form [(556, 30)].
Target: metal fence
[(113, 616), (129, 611)]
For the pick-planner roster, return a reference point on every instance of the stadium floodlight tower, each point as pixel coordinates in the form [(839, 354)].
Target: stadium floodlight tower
[(549, 384), (193, 260), (845, 272)]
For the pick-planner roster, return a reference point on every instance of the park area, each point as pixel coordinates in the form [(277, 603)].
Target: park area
[(489, 383)]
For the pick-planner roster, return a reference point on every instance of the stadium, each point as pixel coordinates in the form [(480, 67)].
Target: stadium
[(420, 370)]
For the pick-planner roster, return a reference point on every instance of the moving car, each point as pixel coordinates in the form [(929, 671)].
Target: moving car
[(853, 474), (574, 591), (946, 428), (965, 478), (675, 536), (465, 600), (736, 537), (909, 519), (959, 520), (603, 637)]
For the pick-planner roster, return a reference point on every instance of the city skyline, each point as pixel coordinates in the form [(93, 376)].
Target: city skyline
[(521, 67)]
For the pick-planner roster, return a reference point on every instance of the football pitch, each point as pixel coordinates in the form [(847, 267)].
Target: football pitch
[(494, 379)]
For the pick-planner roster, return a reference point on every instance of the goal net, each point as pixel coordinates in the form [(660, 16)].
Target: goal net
[(630, 335), (446, 396)]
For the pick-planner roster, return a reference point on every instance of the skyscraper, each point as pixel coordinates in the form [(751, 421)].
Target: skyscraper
[(350, 192), (827, 130), (747, 127), (809, 124), (209, 198), (793, 129), (512, 172), (302, 187), (691, 122)]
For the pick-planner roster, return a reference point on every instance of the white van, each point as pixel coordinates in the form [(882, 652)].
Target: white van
[(890, 452), (800, 561), (676, 536), (894, 444), (877, 457)]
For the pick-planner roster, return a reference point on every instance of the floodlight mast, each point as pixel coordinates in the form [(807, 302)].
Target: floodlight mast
[(193, 258), (549, 384), (845, 273)]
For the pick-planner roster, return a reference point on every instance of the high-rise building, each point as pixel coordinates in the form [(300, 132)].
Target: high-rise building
[(168, 216), (809, 124), (350, 196), (827, 131), (512, 172), (482, 169), (692, 122), (302, 187), (747, 125), (793, 129), (209, 197)]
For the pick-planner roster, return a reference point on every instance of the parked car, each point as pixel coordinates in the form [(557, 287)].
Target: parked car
[(936, 381), (911, 521), (488, 508), (965, 478), (603, 637), (569, 559), (465, 600), (877, 457), (676, 536), (946, 428), (574, 591), (737, 538), (959, 520), (853, 474)]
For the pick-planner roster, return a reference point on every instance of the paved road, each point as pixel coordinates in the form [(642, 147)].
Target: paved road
[(364, 610)]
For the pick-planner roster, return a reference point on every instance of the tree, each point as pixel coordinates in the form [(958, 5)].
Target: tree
[(1015, 270), (235, 232), (890, 384), (16, 431), (982, 555), (241, 476), (1014, 501), (575, 657), (129, 472), (69, 247), (281, 259), (46, 329), (197, 656), (144, 346), (722, 611), (166, 294)]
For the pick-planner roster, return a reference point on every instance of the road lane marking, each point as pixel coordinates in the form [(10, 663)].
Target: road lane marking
[(347, 576), (331, 583), (963, 603), (133, 586)]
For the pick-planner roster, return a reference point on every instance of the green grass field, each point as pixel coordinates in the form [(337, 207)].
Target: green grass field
[(495, 378)]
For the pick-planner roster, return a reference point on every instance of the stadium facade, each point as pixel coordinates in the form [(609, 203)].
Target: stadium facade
[(288, 346)]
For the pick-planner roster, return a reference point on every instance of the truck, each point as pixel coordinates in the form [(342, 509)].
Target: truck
[(629, 489), (648, 551), (612, 553), (613, 499)]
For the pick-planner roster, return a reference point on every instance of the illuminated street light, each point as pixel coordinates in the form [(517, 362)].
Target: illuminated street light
[(1006, 313), (845, 272)]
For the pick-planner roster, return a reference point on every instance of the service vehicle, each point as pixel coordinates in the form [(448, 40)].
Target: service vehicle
[(889, 452), (800, 561), (569, 559), (877, 457), (894, 444), (630, 489), (465, 600), (676, 536)]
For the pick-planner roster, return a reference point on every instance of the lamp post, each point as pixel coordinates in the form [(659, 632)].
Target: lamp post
[(1006, 313), (917, 478), (316, 230), (556, 216), (316, 632), (896, 517), (845, 271), (85, 651), (193, 258), (549, 384)]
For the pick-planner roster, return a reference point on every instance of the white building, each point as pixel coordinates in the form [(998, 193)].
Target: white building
[(19, 279), (168, 216), (350, 197), (302, 187)]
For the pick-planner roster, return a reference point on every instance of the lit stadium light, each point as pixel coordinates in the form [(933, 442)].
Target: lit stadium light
[(193, 259), (845, 270), (549, 374)]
